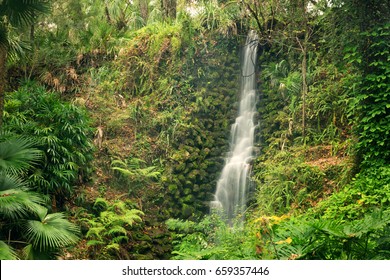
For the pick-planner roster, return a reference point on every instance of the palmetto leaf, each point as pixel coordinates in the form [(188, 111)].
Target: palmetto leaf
[(17, 48), (52, 231), (6, 252), (10, 181), (17, 203), (18, 154), (31, 253), (22, 12)]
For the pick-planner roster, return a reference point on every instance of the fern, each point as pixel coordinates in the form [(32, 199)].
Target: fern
[(113, 246), (95, 242), (132, 169), (100, 204), (95, 232), (120, 239), (112, 226), (116, 230)]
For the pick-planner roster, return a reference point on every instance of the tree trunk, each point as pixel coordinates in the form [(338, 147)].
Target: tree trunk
[(32, 33), (3, 80), (304, 89), (303, 45), (107, 13), (169, 8), (143, 10)]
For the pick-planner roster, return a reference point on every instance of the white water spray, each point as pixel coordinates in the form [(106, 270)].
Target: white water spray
[(232, 186)]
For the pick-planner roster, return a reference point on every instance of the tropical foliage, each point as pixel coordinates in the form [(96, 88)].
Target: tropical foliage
[(60, 130), (110, 227), (119, 115), (13, 15), (24, 213)]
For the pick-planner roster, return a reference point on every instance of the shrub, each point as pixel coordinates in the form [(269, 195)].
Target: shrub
[(61, 131)]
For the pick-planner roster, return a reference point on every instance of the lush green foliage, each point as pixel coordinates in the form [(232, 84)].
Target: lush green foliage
[(286, 183), (132, 171), (308, 238), (110, 227), (61, 131), (210, 239), (372, 96), (24, 214), (159, 80)]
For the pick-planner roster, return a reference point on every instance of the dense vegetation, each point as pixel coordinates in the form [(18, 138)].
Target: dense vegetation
[(115, 121)]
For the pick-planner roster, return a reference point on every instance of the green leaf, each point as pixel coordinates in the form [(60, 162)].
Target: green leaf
[(53, 231), (7, 252)]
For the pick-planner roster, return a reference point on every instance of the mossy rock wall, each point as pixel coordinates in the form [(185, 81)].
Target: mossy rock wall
[(200, 148), (179, 89)]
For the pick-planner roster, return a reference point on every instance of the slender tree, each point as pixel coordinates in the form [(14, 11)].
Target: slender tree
[(169, 8)]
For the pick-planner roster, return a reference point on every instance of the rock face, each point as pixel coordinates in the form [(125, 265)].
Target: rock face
[(199, 148)]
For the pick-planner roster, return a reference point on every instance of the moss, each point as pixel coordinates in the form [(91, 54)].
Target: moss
[(187, 210), (172, 188)]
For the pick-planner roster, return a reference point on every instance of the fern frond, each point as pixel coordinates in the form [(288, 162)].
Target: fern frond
[(116, 230), (94, 242), (113, 246), (120, 239), (100, 204), (132, 216), (95, 232)]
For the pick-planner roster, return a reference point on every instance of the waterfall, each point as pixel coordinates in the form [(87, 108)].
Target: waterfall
[(232, 186)]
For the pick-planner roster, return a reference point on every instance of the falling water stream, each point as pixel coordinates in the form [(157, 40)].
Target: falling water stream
[(232, 186)]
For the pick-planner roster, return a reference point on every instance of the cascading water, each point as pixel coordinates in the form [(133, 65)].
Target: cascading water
[(231, 193)]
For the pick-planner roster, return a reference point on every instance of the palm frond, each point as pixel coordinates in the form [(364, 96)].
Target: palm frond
[(52, 231), (31, 253), (17, 203), (17, 154), (22, 12), (7, 252), (17, 48), (10, 181)]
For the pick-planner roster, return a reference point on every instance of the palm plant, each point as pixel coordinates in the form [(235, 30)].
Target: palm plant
[(20, 208), (14, 14), (50, 231), (6, 252)]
